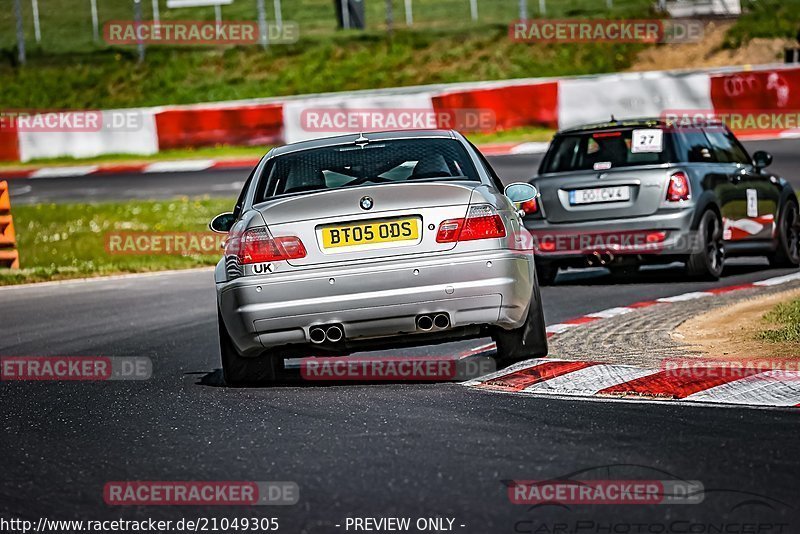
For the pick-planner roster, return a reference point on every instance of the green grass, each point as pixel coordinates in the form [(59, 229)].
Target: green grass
[(64, 241), (69, 71), (215, 152), (787, 315), (765, 18)]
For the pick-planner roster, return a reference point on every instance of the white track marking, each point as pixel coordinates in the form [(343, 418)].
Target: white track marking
[(772, 388), (588, 381), (778, 280), (686, 296), (192, 165), (63, 172), (611, 312), (560, 327), (537, 147)]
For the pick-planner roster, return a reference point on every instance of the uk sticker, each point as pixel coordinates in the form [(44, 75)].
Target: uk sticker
[(752, 203), (263, 268), (647, 141)]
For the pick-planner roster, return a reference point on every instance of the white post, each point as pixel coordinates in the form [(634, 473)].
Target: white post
[(218, 14), (95, 25), (156, 14), (37, 32), (345, 14), (262, 22), (473, 8), (542, 8), (523, 9), (409, 13), (610, 4), (20, 32), (278, 15)]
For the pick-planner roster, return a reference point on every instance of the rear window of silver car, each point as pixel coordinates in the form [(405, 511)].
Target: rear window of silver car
[(350, 165), (605, 149)]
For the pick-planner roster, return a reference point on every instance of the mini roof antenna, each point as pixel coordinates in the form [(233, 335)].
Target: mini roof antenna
[(362, 141), (613, 119)]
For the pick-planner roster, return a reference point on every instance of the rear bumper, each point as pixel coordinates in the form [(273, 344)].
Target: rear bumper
[(378, 299), (569, 242)]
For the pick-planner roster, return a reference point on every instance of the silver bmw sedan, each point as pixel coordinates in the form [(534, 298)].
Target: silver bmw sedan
[(371, 241)]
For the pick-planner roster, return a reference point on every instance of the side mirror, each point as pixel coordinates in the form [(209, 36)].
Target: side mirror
[(520, 192), (222, 223), (762, 159), (523, 196)]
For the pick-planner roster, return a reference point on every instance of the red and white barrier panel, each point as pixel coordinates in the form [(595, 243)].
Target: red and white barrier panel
[(199, 126)]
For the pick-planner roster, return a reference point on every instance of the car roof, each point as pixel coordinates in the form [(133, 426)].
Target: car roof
[(351, 138), (644, 122)]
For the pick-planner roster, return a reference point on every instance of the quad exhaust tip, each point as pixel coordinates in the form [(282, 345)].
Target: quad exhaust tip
[(433, 321), (321, 334)]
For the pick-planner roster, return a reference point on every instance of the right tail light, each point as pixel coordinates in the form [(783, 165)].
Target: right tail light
[(481, 222), (678, 188)]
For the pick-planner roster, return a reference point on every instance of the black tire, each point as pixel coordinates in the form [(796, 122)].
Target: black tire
[(239, 371), (709, 260), (546, 273), (527, 341), (787, 253)]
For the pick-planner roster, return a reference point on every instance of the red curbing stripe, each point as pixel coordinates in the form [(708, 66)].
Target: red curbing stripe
[(236, 163), (678, 384), (121, 168), (582, 320), (9, 175), (519, 380), (721, 290)]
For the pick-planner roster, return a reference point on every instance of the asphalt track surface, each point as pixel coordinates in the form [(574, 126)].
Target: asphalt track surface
[(364, 450)]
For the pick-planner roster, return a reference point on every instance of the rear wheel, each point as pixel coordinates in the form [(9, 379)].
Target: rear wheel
[(237, 370), (708, 261), (787, 253), (546, 273), (527, 341)]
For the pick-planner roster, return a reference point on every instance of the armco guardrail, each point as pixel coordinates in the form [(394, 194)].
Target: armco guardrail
[(9, 256)]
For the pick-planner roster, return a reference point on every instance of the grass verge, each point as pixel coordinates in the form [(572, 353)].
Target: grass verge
[(63, 241), (786, 316), (764, 19)]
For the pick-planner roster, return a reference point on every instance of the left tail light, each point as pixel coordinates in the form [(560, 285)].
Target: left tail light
[(257, 245), (481, 222)]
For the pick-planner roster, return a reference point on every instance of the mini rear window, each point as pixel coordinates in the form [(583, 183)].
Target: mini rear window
[(607, 149), (350, 165)]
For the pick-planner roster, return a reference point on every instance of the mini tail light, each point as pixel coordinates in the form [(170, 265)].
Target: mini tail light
[(678, 189), (482, 222), (530, 207), (258, 246)]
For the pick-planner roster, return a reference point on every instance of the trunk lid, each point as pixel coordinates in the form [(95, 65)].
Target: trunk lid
[(598, 195), (334, 227)]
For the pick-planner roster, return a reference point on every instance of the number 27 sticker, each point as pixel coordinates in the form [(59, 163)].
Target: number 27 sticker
[(647, 141)]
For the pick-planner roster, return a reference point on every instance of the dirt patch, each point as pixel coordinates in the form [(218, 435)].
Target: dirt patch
[(730, 332), (709, 52)]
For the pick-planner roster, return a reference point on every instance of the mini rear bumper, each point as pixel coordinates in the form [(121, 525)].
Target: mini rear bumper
[(377, 299), (665, 235)]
